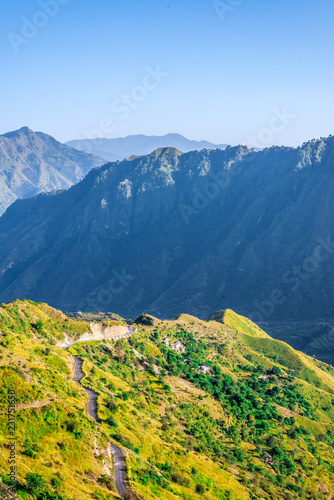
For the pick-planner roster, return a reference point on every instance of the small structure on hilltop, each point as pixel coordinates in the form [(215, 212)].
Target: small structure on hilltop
[(165, 341), (178, 346), (204, 369)]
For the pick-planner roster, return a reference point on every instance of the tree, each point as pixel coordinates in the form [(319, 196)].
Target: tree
[(40, 326), (271, 441)]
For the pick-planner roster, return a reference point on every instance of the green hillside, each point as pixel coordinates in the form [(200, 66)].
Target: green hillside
[(211, 409)]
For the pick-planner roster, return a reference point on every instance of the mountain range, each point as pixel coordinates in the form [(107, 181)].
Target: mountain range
[(124, 147), (33, 162), (172, 232)]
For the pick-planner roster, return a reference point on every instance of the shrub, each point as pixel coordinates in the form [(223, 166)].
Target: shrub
[(74, 427), (40, 326), (111, 386), (100, 495), (180, 479), (112, 422), (200, 488), (35, 484), (112, 405), (56, 482)]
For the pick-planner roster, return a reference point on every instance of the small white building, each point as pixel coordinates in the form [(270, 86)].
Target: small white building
[(178, 346), (204, 369)]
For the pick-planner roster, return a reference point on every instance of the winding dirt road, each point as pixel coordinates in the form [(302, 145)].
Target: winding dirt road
[(119, 463), (119, 470), (92, 410), (92, 395)]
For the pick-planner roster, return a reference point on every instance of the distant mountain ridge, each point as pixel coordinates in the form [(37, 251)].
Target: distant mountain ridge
[(138, 145), (172, 232), (33, 162)]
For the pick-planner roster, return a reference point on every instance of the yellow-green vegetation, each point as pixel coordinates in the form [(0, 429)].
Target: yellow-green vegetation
[(232, 414), (55, 439), (239, 323), (38, 321), (107, 319)]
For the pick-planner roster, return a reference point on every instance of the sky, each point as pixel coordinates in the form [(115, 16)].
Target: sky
[(253, 72)]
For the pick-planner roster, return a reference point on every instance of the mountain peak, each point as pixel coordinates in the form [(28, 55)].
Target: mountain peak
[(25, 130), (34, 162), (167, 151), (20, 131), (240, 323)]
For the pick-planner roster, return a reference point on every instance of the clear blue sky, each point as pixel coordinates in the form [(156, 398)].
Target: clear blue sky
[(226, 74)]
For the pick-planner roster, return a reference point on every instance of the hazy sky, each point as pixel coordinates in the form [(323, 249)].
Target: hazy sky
[(223, 71)]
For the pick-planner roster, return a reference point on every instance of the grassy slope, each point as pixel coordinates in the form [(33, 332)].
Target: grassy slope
[(57, 434), (313, 337), (186, 437)]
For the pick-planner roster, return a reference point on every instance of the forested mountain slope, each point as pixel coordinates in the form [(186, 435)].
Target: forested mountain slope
[(171, 232)]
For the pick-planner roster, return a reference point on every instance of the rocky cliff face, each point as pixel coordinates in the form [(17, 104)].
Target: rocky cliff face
[(99, 332), (175, 232)]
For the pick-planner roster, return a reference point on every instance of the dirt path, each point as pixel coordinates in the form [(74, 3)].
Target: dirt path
[(119, 463), (92, 411), (34, 404), (119, 470)]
